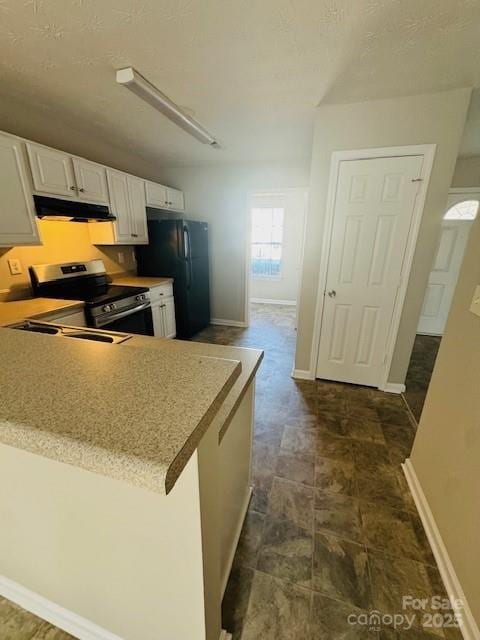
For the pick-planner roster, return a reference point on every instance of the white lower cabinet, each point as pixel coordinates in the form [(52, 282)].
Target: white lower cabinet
[(163, 313), (169, 323)]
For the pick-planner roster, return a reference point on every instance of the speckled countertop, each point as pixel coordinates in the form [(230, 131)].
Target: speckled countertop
[(17, 310), (140, 281), (131, 414), (249, 358)]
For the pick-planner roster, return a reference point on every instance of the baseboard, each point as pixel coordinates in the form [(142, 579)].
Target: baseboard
[(228, 323), (53, 613), (248, 497), (393, 387), (290, 303), (303, 374), (224, 635), (469, 628)]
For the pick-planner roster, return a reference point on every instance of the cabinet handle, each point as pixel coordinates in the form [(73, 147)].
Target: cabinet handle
[(72, 188), (82, 190), (134, 235)]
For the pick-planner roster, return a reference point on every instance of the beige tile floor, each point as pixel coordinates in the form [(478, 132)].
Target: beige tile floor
[(332, 529)]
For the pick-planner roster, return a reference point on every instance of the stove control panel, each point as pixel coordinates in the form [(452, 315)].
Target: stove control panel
[(109, 307), (141, 297)]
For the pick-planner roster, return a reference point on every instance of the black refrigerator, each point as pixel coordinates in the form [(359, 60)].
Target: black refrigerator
[(179, 249)]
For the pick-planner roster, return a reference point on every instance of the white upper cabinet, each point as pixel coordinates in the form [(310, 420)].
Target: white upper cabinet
[(156, 195), (52, 171), (119, 206), (127, 203), (175, 200), (91, 181), (138, 214), (17, 214), (162, 197)]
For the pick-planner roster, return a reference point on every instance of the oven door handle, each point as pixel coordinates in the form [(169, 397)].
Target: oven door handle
[(122, 314)]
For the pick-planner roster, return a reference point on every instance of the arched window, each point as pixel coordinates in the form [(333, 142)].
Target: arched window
[(466, 210)]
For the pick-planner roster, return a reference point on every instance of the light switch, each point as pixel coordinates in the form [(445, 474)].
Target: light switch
[(121, 257), (475, 306), (15, 266)]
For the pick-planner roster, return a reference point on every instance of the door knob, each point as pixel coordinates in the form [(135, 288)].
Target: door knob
[(332, 293)]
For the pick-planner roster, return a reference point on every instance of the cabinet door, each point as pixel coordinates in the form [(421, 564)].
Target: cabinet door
[(156, 195), (119, 206), (91, 179), (138, 213), (157, 316), (17, 218), (52, 171), (175, 199), (169, 325)]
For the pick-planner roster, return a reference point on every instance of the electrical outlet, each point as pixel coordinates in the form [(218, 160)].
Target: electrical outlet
[(15, 266), (121, 257)]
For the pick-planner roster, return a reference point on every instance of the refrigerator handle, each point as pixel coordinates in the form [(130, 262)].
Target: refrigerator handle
[(186, 242)]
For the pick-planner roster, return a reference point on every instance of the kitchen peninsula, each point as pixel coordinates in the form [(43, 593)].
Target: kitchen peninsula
[(124, 480)]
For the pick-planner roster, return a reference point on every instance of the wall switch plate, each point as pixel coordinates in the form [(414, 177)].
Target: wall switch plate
[(15, 266), (121, 257), (475, 306)]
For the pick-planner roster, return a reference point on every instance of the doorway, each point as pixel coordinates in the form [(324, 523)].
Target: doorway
[(459, 215), (275, 251), (374, 208)]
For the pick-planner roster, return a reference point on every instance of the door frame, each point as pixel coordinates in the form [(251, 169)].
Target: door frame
[(248, 249), (428, 153), (453, 191)]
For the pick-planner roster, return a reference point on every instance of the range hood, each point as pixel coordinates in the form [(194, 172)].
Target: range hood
[(58, 209)]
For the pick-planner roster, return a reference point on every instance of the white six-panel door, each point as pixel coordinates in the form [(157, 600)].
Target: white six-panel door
[(373, 211), (446, 267)]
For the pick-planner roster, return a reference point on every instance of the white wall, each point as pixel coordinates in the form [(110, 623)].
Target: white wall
[(446, 451), (467, 172), (286, 286), (219, 194), (435, 118)]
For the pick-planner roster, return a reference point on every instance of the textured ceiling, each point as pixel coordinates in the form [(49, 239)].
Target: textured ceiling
[(251, 71)]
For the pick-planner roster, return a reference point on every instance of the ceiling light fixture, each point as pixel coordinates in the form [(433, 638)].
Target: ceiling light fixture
[(131, 79)]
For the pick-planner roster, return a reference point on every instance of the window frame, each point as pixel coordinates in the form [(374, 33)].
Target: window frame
[(276, 276)]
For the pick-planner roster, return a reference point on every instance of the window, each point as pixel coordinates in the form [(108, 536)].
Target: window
[(267, 237), (466, 210)]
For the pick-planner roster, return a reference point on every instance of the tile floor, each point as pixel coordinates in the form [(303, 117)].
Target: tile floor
[(420, 371), (332, 529)]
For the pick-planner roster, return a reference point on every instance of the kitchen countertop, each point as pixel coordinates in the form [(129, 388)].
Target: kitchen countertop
[(132, 414), (249, 358), (140, 281), (17, 310)]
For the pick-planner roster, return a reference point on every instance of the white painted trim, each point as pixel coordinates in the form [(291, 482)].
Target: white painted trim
[(458, 190), (469, 629), (424, 333), (428, 153), (53, 613), (238, 532), (224, 635), (303, 374), (290, 303), (393, 387), (228, 323)]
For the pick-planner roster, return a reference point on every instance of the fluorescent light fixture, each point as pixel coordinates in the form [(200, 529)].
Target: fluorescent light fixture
[(139, 85)]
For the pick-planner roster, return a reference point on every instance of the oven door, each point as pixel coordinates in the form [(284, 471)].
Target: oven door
[(135, 320)]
